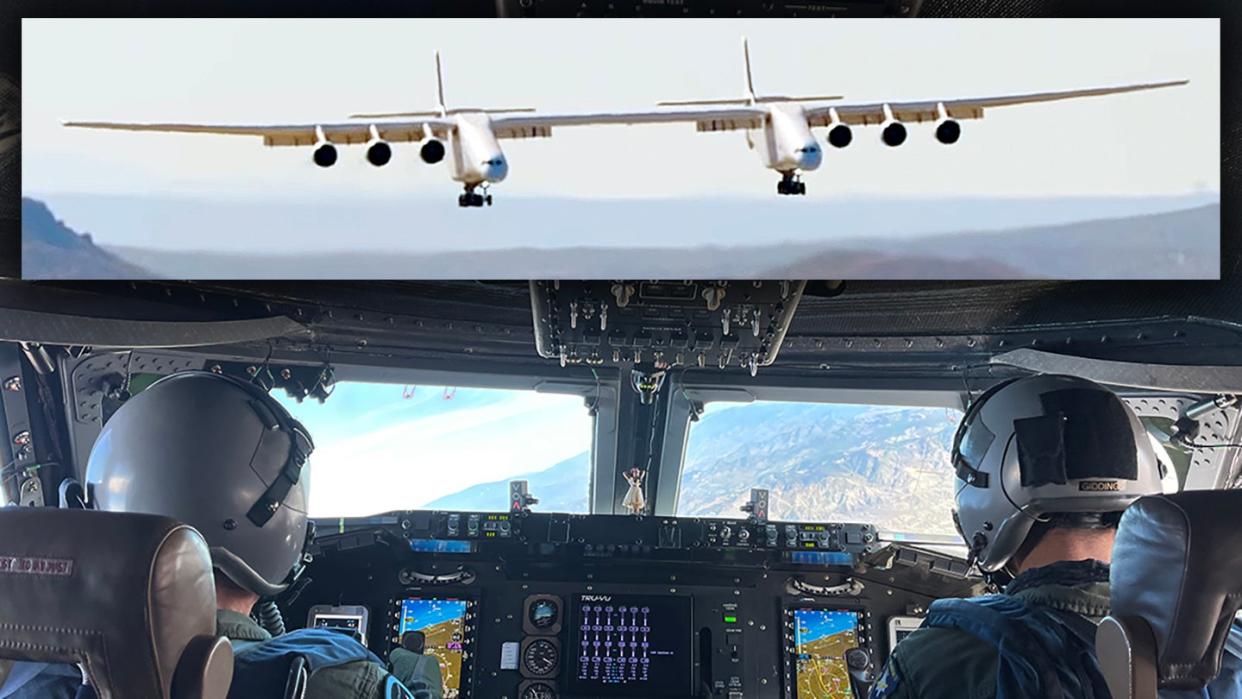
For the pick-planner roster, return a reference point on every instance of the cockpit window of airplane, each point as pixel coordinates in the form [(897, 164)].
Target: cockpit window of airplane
[(824, 462), (443, 447)]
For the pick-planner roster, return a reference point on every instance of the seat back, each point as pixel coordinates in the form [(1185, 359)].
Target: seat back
[(1175, 587), (130, 598)]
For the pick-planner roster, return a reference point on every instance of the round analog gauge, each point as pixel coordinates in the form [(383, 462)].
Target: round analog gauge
[(544, 613), (538, 690), (540, 657)]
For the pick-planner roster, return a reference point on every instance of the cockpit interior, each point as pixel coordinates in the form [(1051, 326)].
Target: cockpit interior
[(625, 488)]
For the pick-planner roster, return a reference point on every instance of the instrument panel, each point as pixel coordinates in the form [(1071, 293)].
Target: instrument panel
[(552, 606)]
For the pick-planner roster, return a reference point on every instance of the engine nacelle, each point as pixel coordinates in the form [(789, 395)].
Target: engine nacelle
[(379, 153), (432, 151), (325, 154), (948, 132), (894, 134), (840, 136)]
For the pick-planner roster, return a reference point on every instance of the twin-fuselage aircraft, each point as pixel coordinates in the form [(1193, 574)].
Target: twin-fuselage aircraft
[(777, 127)]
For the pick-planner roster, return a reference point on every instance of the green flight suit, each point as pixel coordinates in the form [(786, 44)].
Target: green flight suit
[(944, 663), (357, 680)]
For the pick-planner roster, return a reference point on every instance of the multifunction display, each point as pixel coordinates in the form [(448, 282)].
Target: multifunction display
[(821, 639), (630, 645)]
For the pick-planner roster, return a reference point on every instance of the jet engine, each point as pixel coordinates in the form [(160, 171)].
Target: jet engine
[(840, 136), (379, 153), (948, 132), (894, 134), (325, 154), (432, 152)]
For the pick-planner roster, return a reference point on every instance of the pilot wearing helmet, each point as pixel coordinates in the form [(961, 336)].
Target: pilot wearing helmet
[(224, 457), (1045, 466)]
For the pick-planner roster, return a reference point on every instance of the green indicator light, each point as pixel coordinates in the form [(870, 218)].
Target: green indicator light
[(730, 620)]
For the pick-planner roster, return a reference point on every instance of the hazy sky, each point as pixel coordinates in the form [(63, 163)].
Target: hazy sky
[(417, 445), (320, 70)]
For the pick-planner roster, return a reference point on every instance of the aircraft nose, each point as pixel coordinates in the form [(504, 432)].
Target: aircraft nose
[(810, 156), (495, 169)]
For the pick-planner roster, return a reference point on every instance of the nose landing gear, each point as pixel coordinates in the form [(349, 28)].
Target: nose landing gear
[(472, 198), (790, 184)]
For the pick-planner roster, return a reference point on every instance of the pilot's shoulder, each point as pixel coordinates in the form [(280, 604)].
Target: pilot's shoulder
[(936, 662)]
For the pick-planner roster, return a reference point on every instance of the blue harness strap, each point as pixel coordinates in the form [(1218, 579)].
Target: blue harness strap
[(1041, 653), (262, 669)]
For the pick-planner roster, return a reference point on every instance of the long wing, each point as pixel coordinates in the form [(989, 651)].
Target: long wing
[(293, 135), (970, 108), (540, 126)]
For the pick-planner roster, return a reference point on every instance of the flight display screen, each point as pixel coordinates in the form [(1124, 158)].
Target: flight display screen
[(443, 624), (632, 645), (349, 624), (821, 638)]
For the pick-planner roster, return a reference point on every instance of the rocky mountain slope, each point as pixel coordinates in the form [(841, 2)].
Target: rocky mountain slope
[(52, 250), (888, 466)]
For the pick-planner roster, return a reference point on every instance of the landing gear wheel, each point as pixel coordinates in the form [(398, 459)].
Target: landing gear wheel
[(790, 184), (472, 198)]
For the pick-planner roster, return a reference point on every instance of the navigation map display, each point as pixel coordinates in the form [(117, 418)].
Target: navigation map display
[(821, 638), (443, 623), (631, 645)]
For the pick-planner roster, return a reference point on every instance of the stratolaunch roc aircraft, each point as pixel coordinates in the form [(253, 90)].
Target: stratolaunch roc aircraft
[(777, 126)]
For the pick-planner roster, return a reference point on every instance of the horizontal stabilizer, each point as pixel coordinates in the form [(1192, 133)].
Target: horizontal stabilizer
[(427, 115), (767, 99), (467, 110), (393, 115), (703, 103), (785, 98)]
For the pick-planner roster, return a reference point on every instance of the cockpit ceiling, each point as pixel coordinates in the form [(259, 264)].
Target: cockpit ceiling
[(919, 326)]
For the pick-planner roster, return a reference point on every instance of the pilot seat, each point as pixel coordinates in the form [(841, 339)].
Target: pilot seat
[(128, 598)]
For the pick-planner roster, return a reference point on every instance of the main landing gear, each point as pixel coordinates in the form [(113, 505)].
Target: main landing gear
[(790, 184), (473, 198)]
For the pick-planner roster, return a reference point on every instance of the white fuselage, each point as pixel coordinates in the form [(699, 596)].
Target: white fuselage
[(785, 143), (474, 152)]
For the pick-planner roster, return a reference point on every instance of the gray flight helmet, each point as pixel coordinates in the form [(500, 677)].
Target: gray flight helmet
[(1043, 445), (221, 455)]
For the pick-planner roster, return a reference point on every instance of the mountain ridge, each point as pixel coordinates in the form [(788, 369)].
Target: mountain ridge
[(1183, 244), (53, 250), (820, 462)]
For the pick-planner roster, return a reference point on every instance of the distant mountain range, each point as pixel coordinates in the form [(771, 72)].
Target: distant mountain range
[(1068, 238), (1182, 244), (562, 487), (889, 466), (821, 462), (52, 250)]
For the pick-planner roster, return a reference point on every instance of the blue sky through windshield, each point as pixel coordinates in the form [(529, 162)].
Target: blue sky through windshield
[(383, 447)]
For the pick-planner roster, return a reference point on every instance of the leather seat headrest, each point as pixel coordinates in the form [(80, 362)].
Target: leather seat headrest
[(123, 595), (1177, 565)]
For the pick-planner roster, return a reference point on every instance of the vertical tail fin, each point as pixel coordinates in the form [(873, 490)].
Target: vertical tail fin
[(750, 83), (440, 87)]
